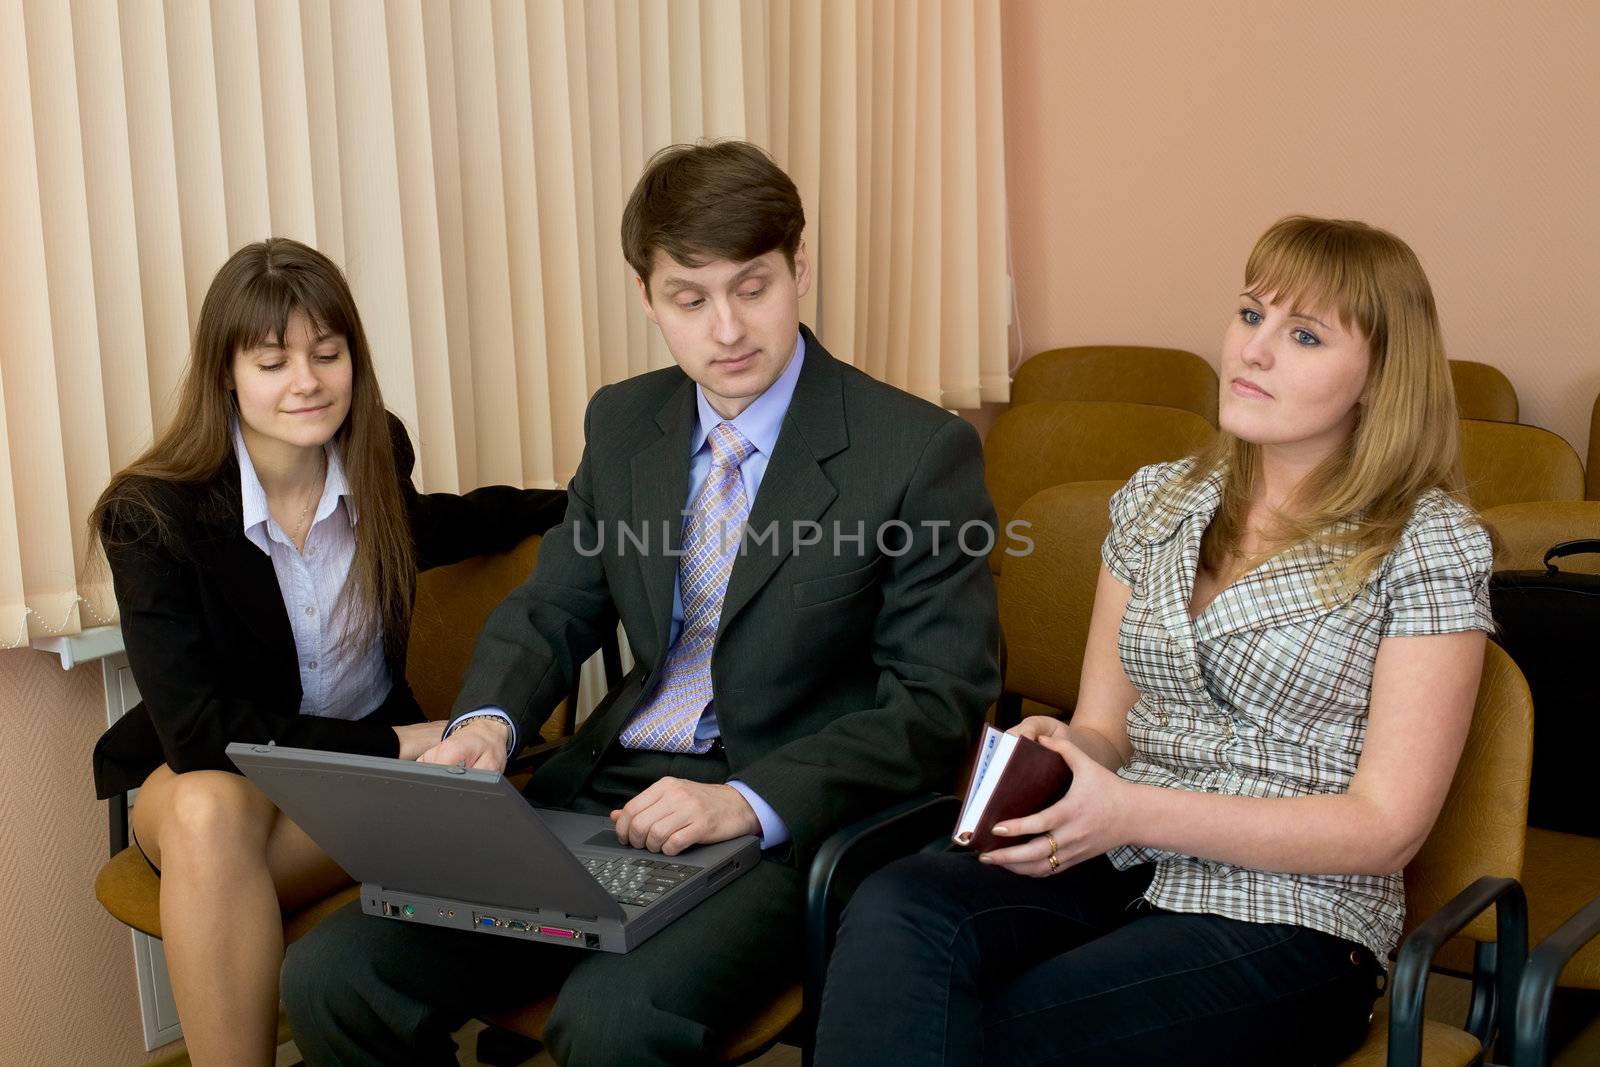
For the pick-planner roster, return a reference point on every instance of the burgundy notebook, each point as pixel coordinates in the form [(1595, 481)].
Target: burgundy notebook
[(1011, 777)]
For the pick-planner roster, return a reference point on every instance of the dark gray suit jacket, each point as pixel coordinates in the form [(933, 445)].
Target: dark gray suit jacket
[(844, 680)]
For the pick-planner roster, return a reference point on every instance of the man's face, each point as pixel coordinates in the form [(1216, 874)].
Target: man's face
[(730, 326)]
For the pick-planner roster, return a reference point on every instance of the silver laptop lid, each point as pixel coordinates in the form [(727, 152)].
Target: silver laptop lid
[(441, 831)]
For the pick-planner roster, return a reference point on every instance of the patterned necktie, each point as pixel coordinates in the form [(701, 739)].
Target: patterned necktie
[(711, 535)]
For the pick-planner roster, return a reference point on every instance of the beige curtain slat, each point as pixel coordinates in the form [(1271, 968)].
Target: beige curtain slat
[(484, 226), (241, 122), (994, 294), (124, 375), (77, 407), (530, 304), (722, 83), (656, 89), (197, 142), (631, 151), (369, 179), (286, 121), (322, 122), (157, 220), (803, 152), (877, 279), (755, 49), (955, 373), (443, 108), (559, 243), (611, 82), (434, 434), (904, 267), (684, 47), (42, 550), (839, 195), (580, 174)]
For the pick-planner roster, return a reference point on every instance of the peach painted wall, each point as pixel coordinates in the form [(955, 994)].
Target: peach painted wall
[(1149, 142), (67, 989)]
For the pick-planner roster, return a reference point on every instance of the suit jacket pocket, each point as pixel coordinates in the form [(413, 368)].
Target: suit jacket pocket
[(835, 586)]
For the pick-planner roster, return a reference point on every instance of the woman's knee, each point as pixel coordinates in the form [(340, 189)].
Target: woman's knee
[(910, 888), (214, 811)]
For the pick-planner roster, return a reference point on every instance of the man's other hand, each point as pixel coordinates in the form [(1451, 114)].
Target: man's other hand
[(673, 814), (479, 743)]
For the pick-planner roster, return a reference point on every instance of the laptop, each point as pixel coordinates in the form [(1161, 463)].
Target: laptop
[(463, 849)]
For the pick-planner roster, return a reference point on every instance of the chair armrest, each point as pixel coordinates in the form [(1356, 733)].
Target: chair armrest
[(843, 863), (530, 758), (1539, 982), (1418, 950)]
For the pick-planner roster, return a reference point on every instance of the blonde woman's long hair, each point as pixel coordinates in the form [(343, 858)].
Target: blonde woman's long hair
[(1406, 440)]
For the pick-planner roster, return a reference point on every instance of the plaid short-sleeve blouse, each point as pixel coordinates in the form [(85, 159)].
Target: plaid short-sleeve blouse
[(1266, 693)]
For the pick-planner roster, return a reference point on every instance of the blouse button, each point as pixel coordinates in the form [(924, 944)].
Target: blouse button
[(312, 665), (310, 610)]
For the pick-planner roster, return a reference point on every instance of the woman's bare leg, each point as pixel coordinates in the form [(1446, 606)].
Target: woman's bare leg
[(228, 860)]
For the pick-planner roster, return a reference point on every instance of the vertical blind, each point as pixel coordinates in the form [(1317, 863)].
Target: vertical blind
[(466, 163)]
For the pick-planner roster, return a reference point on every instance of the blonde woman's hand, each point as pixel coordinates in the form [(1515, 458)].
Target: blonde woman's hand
[(1036, 726), (1088, 821)]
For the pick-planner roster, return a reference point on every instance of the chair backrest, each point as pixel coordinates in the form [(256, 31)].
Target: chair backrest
[(1133, 374), (1482, 828), (1593, 484), (451, 606), (1482, 392), (1046, 595), (1506, 464), (1051, 442), (1525, 531)]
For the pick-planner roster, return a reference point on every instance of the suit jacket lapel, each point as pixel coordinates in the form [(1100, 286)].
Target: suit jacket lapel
[(794, 489), (247, 575), (660, 493)]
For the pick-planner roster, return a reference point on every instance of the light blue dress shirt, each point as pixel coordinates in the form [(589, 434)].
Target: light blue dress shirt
[(335, 681), (760, 424)]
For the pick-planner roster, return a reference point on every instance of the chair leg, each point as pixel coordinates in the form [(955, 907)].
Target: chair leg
[(499, 1047)]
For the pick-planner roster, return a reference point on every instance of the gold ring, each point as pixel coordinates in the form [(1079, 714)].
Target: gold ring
[(1054, 863)]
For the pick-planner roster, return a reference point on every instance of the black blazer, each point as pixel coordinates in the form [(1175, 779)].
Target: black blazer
[(208, 637), (845, 679)]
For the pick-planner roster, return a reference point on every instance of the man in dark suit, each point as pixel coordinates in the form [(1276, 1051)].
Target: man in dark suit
[(788, 544)]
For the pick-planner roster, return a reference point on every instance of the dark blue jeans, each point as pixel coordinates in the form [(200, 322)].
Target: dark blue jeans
[(942, 960)]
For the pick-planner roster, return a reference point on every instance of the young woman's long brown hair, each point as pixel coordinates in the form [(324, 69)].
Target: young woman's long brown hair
[(1406, 440), (250, 301)]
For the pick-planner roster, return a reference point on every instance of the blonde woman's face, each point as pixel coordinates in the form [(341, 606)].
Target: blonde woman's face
[(1290, 376), (293, 390)]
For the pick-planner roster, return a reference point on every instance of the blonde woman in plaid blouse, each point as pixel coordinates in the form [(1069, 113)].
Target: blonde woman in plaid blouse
[(1279, 677)]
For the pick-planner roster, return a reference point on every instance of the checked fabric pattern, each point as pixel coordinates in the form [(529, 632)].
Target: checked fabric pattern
[(711, 534)]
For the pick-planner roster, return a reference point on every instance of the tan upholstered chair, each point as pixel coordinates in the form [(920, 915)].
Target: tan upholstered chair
[(1482, 392), (1132, 374), (1592, 491), (1525, 531), (452, 603), (1506, 463), (1050, 442), (1479, 834), (1560, 871), (1046, 597)]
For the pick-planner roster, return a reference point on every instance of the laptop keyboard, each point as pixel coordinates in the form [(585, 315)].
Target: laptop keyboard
[(638, 881)]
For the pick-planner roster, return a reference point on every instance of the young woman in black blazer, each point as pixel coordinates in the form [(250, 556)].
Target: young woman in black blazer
[(264, 553)]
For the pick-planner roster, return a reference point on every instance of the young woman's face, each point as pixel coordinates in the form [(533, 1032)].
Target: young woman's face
[(1290, 376), (294, 390)]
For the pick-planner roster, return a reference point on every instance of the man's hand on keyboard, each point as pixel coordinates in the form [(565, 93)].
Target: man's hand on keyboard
[(673, 814)]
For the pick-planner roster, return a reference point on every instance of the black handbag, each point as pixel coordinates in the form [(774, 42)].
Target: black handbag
[(1549, 623)]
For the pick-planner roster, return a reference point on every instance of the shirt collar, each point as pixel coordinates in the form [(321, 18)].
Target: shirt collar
[(761, 421), (254, 512)]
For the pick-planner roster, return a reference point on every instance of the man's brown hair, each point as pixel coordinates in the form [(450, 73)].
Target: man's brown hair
[(714, 200)]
